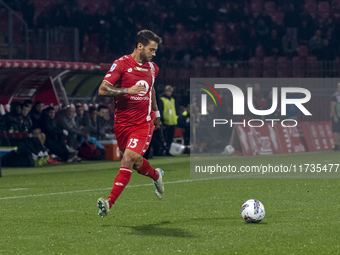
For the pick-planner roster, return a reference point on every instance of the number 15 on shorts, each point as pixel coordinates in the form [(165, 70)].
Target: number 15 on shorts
[(132, 143)]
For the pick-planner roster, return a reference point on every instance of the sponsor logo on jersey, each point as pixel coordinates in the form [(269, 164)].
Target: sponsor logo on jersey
[(130, 70), (141, 69), (113, 67), (136, 98)]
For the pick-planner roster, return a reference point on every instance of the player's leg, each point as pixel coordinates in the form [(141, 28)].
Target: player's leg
[(143, 138), (121, 180), (139, 143)]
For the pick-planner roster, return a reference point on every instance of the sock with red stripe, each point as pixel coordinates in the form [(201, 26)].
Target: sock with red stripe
[(122, 179), (148, 170)]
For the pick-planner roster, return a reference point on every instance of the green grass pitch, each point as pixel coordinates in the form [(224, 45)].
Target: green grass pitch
[(52, 210)]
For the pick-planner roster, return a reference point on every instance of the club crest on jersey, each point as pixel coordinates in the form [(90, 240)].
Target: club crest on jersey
[(141, 69), (145, 84), (129, 70), (113, 67)]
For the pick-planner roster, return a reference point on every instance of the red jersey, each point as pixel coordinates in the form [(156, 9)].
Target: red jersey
[(124, 73)]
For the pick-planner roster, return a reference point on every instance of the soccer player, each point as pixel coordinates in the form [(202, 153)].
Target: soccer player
[(131, 82)]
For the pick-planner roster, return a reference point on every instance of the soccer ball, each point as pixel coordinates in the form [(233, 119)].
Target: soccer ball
[(253, 211), (229, 150)]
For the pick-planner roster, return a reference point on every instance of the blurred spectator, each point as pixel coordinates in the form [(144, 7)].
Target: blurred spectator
[(92, 126), (262, 30), (291, 19), (66, 121), (167, 108), (55, 136), (305, 32), (35, 113), (273, 46), (82, 118), (26, 125), (29, 104), (12, 118), (315, 43), (289, 43), (105, 129)]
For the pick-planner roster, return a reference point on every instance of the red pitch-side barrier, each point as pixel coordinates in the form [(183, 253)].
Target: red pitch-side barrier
[(52, 65), (313, 136)]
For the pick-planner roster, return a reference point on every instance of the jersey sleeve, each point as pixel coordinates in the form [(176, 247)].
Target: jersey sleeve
[(156, 70), (115, 72)]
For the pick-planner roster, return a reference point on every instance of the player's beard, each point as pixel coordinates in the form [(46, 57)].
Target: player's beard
[(143, 57)]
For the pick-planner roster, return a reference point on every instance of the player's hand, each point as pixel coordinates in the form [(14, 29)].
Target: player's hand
[(156, 123), (336, 119), (136, 89)]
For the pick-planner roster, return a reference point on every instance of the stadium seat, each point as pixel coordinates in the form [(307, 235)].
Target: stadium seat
[(191, 38), (179, 39), (323, 7), (283, 67), (255, 68), (269, 69), (260, 52), (256, 6), (220, 41), (168, 41), (239, 71), (277, 17), (298, 67), (225, 72), (310, 8), (219, 28), (302, 51), (183, 73), (180, 29), (314, 67), (270, 7), (170, 73)]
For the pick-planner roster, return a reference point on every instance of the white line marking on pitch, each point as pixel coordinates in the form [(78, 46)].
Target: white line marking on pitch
[(129, 186), (18, 189), (90, 190)]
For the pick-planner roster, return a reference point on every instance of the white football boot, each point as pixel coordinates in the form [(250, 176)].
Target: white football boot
[(103, 206), (159, 187)]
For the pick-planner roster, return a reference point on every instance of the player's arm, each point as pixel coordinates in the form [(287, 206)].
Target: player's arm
[(156, 120), (107, 90)]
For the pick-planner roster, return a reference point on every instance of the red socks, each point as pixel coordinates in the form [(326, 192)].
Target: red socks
[(148, 170), (122, 179)]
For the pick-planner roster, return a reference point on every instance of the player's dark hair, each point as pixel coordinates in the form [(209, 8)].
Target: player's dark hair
[(145, 36)]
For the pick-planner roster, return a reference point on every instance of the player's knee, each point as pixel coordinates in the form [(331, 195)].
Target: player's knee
[(130, 158)]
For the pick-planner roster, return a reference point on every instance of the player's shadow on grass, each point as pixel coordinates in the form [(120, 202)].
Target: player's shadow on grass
[(158, 229)]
